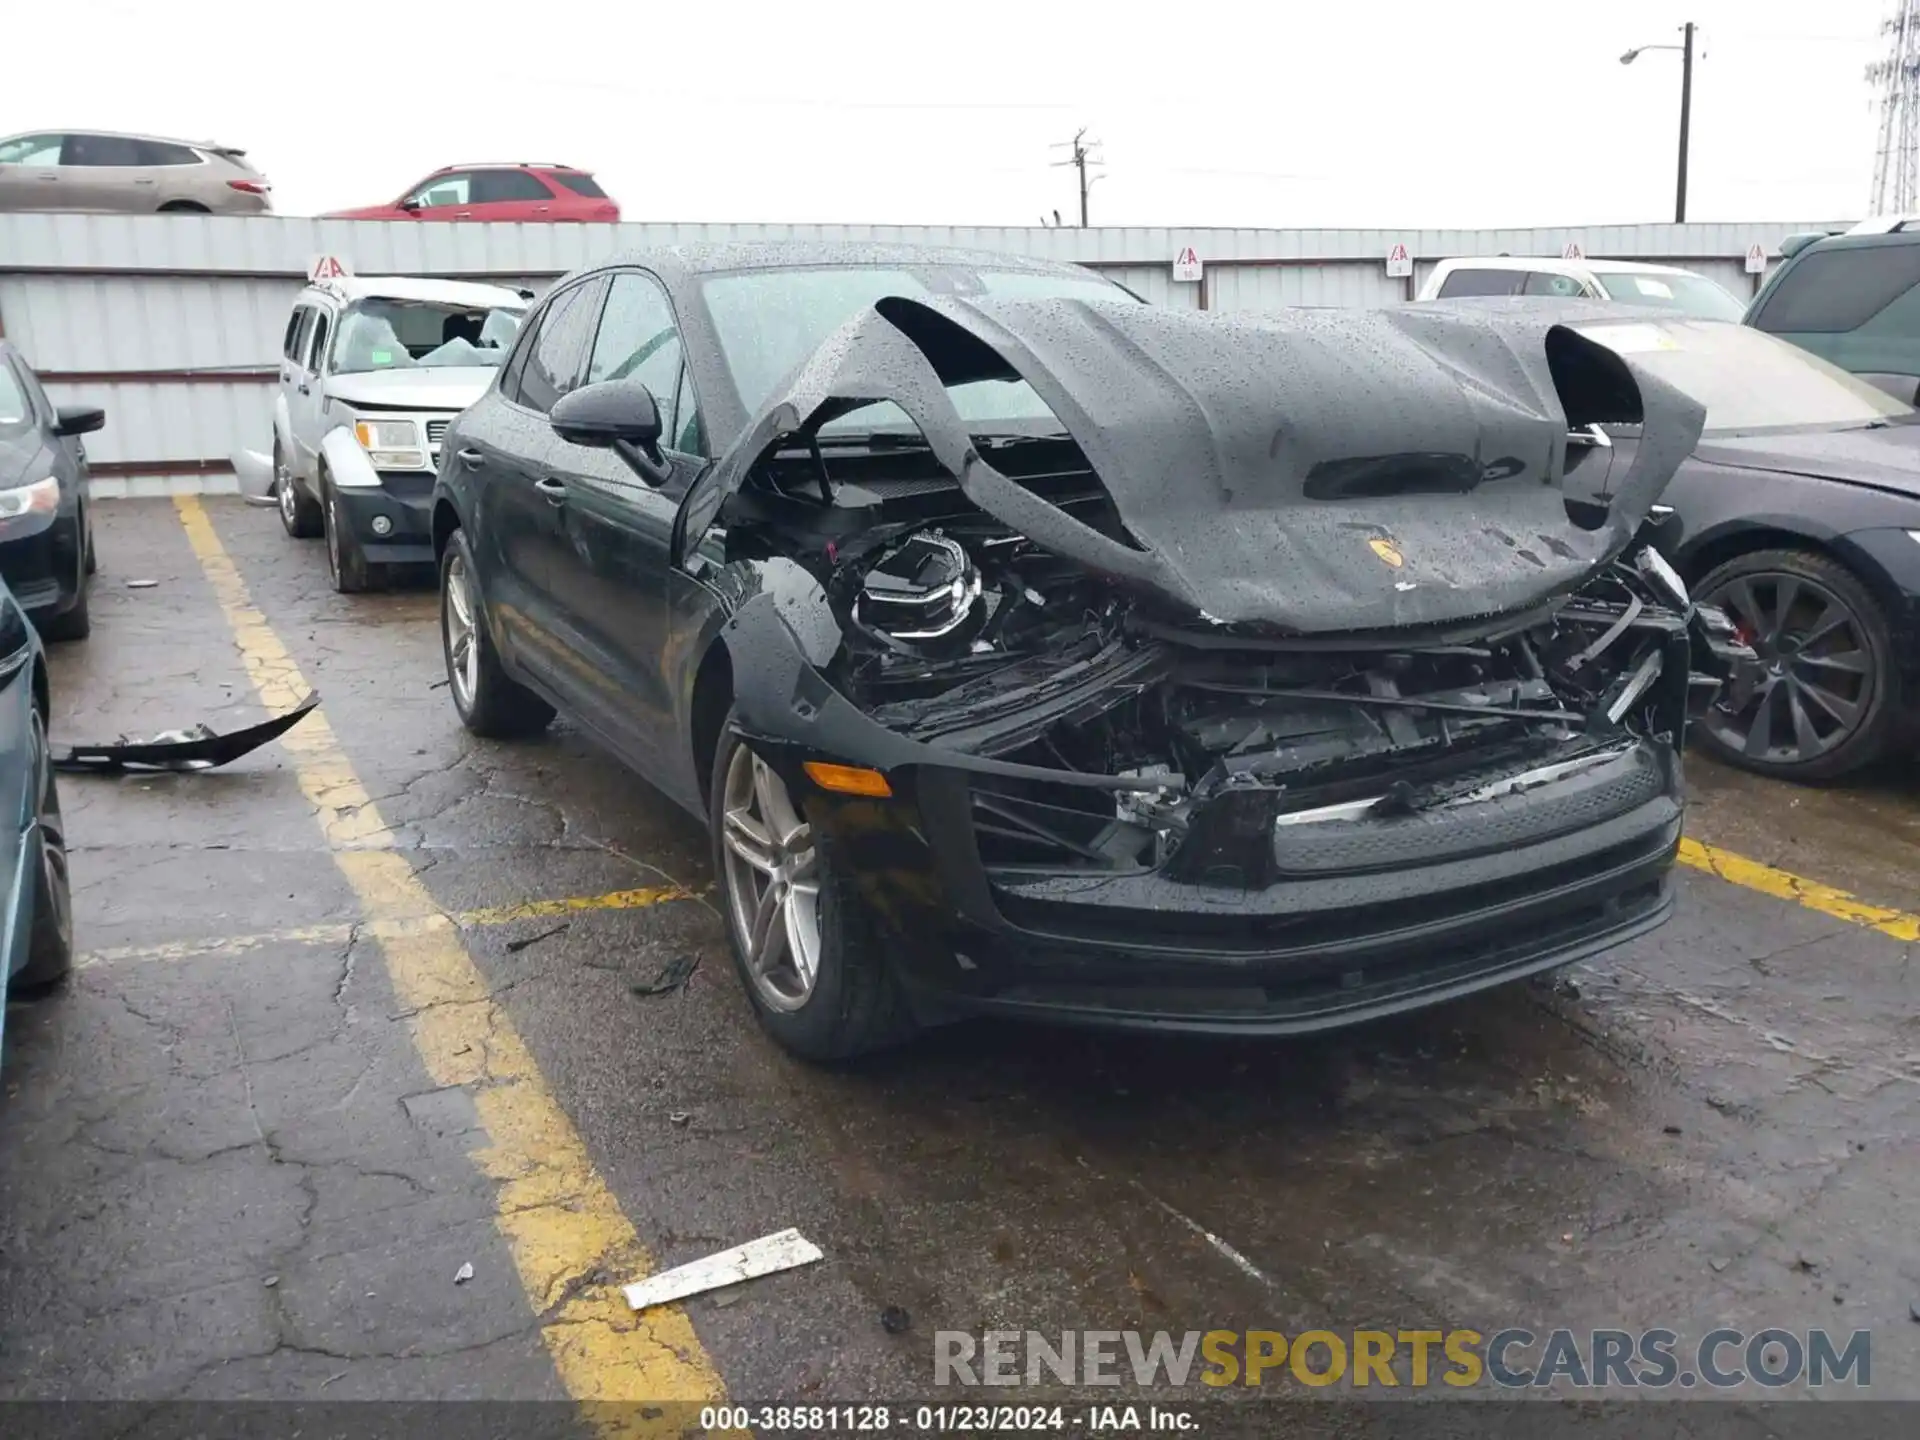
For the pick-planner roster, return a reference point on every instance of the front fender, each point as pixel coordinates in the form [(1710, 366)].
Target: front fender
[(348, 467)]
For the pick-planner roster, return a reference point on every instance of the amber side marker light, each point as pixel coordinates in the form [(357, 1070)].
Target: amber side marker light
[(847, 779)]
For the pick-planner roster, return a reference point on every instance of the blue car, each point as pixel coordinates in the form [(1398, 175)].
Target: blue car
[(36, 903)]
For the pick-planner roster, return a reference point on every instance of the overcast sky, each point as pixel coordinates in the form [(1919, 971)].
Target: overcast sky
[(1393, 113)]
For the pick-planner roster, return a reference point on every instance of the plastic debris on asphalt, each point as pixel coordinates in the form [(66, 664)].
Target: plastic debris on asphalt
[(787, 1250)]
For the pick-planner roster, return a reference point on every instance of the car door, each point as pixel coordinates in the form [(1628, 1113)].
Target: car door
[(504, 441), (30, 175), (306, 404), (507, 195), (444, 197), (610, 587), (103, 172)]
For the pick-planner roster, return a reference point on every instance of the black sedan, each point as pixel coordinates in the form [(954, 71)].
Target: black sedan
[(1030, 650), (46, 533), (1799, 515)]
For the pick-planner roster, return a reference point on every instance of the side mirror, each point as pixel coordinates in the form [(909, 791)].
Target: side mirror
[(410, 204), (619, 415), (78, 419)]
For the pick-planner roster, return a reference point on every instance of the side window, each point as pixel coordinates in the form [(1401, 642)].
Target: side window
[(638, 339), (492, 186), (559, 351), (1542, 283), (1831, 291), (32, 150), (290, 342), (15, 411), (1481, 282), (302, 335), (317, 352), (100, 150), (443, 190), (159, 152)]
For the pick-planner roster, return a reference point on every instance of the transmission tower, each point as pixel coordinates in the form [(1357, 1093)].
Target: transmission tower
[(1896, 166)]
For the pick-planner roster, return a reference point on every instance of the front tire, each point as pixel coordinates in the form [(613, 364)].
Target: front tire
[(1823, 699), (299, 512), (76, 621), (490, 703), (347, 565), (50, 942), (803, 943)]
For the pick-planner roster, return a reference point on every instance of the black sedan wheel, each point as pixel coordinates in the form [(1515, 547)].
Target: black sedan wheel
[(802, 941), (1820, 700), (50, 945)]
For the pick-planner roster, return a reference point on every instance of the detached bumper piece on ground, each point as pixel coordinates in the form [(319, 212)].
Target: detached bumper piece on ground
[(197, 748)]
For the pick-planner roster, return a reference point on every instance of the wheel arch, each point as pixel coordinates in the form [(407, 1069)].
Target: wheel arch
[(707, 709), (1718, 549), (446, 520)]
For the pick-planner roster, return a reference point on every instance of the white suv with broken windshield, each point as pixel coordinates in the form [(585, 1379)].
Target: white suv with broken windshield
[(372, 370)]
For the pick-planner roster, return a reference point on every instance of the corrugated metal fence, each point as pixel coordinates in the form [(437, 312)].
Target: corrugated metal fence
[(173, 322)]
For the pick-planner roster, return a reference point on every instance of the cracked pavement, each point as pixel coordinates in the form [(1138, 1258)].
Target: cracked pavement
[(226, 1172)]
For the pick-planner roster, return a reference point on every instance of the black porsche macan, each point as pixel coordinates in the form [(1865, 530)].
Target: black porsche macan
[(1031, 650)]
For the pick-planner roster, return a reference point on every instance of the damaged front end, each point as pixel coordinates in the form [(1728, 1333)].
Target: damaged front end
[(1141, 774)]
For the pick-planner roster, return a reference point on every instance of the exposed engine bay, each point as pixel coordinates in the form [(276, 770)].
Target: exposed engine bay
[(1011, 597)]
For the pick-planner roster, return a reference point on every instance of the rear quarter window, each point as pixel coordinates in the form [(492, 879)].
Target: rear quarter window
[(580, 184)]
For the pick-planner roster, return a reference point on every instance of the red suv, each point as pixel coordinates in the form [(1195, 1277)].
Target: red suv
[(496, 192)]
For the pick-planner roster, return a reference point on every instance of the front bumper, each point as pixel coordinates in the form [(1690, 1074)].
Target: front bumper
[(1339, 939), (404, 500), (42, 565), (1242, 928)]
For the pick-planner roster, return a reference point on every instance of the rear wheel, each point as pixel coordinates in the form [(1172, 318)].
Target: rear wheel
[(184, 207), (489, 702), (803, 943), (1822, 699), (50, 943), (299, 513)]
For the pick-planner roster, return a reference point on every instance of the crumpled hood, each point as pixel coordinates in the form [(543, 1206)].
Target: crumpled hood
[(1307, 471), (19, 459), (426, 387), (1887, 458)]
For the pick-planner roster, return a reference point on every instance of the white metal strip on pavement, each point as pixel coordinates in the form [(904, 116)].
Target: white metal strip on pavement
[(771, 1253)]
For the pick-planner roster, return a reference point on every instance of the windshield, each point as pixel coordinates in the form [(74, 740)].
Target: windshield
[(1688, 294), (383, 334), (769, 321), (1750, 382), (15, 414)]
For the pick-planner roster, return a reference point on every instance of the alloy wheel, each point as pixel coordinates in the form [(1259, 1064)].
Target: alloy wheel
[(57, 882), (773, 882), (1812, 685), (462, 633), (289, 502)]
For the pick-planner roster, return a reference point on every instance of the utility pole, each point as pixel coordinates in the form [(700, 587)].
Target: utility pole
[(1896, 165), (1082, 156), (1686, 118)]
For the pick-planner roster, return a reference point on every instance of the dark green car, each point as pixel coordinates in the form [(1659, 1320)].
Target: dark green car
[(1852, 299)]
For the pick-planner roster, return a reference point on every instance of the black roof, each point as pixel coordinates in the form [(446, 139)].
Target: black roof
[(712, 257)]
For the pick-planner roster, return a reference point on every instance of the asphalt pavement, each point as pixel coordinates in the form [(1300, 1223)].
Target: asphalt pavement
[(358, 1012)]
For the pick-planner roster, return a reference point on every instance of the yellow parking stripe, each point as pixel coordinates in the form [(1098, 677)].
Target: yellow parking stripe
[(1753, 875), (339, 932), (572, 1245)]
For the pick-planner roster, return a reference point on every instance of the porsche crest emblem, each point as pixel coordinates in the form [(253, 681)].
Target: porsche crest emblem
[(1387, 551)]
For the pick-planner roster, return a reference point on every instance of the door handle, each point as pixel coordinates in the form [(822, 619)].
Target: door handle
[(303, 388), (469, 457), (554, 490), (463, 214)]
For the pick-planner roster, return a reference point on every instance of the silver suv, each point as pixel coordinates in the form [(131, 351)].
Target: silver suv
[(128, 174), (372, 370)]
